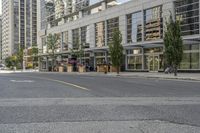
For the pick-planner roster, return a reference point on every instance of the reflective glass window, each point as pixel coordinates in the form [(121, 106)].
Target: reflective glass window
[(187, 12), (134, 27), (153, 27)]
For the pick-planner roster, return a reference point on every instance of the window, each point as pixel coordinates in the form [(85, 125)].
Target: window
[(58, 44), (65, 40), (134, 62), (100, 34), (190, 57), (134, 27), (85, 36), (75, 39), (112, 24), (153, 26), (187, 12)]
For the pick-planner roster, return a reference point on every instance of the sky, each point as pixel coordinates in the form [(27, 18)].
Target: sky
[(92, 0)]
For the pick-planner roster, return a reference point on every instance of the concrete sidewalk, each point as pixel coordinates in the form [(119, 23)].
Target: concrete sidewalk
[(18, 71), (158, 75), (181, 76)]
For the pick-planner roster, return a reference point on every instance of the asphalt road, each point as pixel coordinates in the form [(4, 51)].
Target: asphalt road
[(56, 103)]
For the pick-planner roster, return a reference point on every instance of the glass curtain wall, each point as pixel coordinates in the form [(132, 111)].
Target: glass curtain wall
[(43, 22), (134, 27), (153, 24), (187, 12), (65, 41), (100, 34), (85, 36), (191, 57), (100, 58), (112, 24), (58, 44), (75, 39)]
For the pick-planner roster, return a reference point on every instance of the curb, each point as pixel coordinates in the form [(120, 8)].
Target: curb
[(115, 75)]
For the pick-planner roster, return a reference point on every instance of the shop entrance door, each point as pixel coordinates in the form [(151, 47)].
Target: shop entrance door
[(153, 63)]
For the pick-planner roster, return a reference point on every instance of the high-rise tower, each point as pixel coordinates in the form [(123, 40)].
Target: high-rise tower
[(19, 25)]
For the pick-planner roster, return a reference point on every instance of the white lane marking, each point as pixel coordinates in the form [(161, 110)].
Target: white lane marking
[(22, 81), (63, 82)]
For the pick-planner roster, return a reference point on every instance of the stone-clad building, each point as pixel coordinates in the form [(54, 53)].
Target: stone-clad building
[(142, 24)]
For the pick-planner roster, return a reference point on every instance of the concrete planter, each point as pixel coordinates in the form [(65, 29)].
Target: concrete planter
[(113, 69), (61, 69), (102, 68), (69, 68), (81, 69)]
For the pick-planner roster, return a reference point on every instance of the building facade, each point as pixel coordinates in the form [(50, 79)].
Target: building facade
[(19, 25), (142, 24)]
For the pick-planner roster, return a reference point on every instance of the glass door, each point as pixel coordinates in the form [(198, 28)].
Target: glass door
[(153, 62)]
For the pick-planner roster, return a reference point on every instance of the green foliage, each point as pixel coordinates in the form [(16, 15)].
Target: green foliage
[(52, 40), (116, 49), (20, 55), (79, 53), (34, 54), (173, 43), (11, 61)]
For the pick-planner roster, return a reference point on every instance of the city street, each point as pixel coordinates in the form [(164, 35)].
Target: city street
[(56, 103)]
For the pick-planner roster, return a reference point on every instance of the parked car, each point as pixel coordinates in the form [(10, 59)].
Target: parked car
[(2, 67)]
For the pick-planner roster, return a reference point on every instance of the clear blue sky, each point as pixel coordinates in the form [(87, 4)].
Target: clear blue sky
[(91, 0)]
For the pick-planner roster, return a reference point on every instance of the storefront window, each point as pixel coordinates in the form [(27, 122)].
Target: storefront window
[(134, 51), (194, 60), (100, 57), (185, 64), (191, 47), (153, 27), (190, 61), (134, 62), (153, 50)]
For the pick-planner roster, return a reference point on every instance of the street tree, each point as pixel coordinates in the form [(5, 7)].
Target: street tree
[(173, 44), (78, 52), (116, 49), (34, 54), (52, 40), (20, 55), (11, 61)]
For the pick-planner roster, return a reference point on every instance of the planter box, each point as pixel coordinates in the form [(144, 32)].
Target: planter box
[(61, 69), (101, 68), (113, 69), (69, 68), (81, 69)]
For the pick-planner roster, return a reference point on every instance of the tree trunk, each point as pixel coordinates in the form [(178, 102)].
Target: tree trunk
[(52, 67), (118, 69), (175, 70)]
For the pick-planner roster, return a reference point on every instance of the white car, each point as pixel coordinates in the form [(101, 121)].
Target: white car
[(2, 67)]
